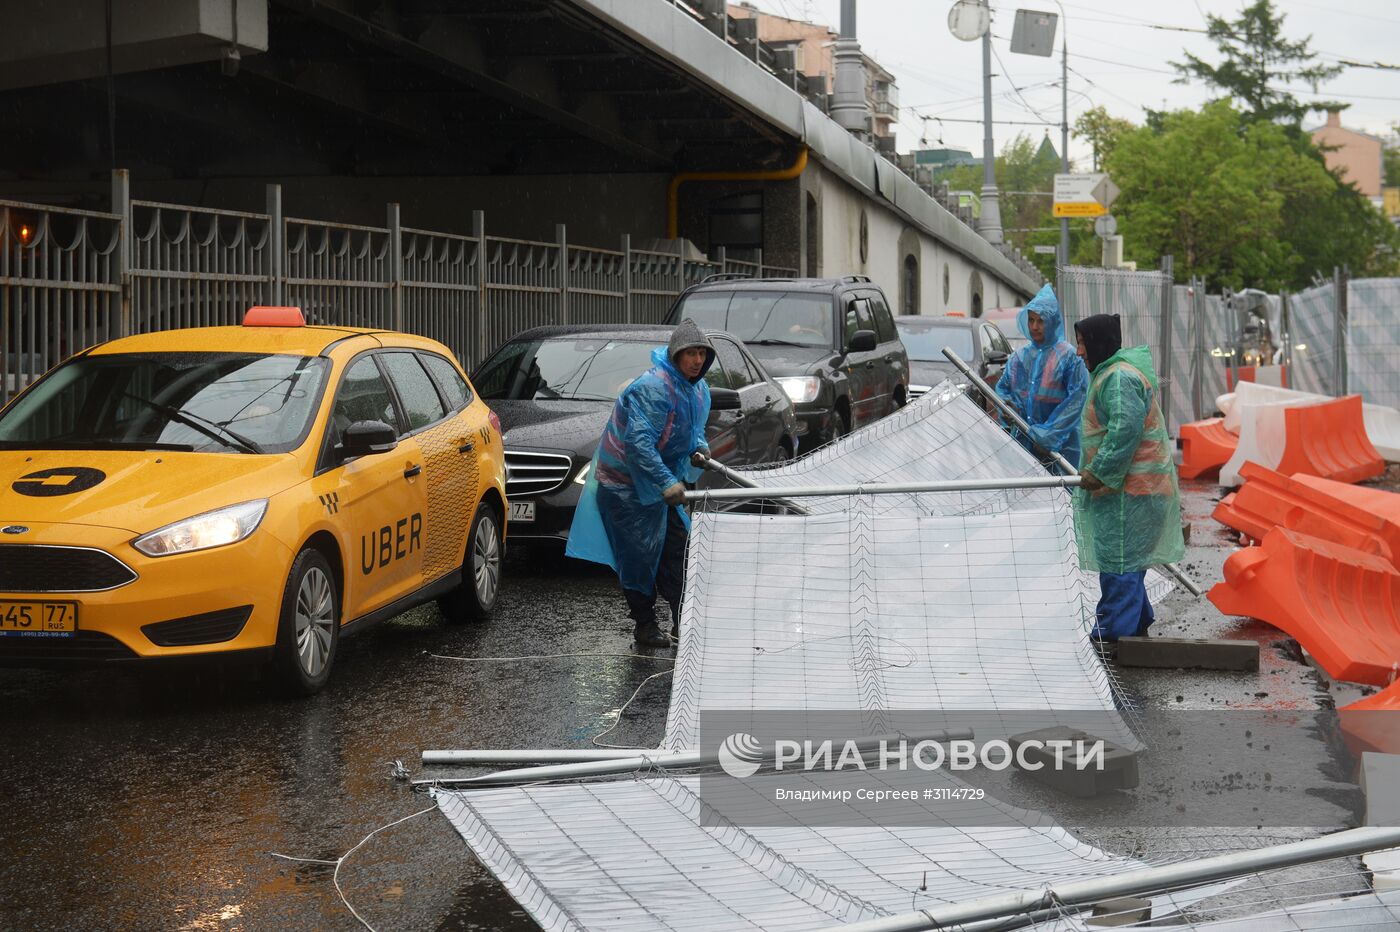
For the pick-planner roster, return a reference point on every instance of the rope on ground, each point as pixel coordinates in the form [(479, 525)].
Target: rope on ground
[(340, 861), (621, 711)]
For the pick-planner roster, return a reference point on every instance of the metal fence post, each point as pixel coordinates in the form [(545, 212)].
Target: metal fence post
[(121, 205), (395, 266), (627, 278), (1285, 326), (758, 258), (680, 265), (1198, 348), (1340, 277), (561, 238), (721, 258), (483, 272), (276, 248), (1166, 340)]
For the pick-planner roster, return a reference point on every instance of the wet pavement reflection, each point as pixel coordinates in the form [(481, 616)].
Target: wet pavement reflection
[(155, 799)]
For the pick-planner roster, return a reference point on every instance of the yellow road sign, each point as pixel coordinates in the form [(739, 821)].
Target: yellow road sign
[(1080, 209)]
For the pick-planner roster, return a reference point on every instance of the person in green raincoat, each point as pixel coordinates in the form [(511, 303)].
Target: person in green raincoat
[(1127, 510)]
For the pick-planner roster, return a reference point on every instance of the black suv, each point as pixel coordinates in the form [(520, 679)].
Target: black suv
[(830, 342)]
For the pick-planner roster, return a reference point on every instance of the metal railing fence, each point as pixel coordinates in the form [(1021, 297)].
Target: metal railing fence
[(72, 278)]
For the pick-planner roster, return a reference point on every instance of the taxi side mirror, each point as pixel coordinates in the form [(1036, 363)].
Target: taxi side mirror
[(365, 437)]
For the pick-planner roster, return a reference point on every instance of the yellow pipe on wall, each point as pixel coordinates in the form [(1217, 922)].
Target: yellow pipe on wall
[(673, 191)]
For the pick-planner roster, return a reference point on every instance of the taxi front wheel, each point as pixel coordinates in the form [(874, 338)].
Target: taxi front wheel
[(308, 628), (481, 570)]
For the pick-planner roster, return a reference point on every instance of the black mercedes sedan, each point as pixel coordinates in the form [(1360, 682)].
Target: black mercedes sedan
[(554, 387)]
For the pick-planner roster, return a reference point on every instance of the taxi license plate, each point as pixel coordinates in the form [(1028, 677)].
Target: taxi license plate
[(38, 619), (522, 511)]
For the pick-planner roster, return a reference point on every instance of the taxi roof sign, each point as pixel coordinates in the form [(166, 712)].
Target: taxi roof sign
[(262, 316)]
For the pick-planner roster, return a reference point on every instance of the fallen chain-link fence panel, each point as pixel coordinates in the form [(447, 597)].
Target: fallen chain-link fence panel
[(648, 853), (884, 612)]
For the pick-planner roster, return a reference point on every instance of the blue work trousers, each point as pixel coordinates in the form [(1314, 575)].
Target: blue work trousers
[(1124, 610)]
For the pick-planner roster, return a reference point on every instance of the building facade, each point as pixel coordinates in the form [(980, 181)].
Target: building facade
[(1356, 155)]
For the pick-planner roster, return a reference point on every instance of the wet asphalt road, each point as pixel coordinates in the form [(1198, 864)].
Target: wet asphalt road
[(155, 800)]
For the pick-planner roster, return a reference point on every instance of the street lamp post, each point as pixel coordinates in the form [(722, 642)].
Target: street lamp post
[(990, 224), (1064, 123)]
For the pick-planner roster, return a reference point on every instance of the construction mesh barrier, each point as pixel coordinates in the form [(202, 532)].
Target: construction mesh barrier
[(1373, 339), (884, 612), (1312, 321), (634, 854)]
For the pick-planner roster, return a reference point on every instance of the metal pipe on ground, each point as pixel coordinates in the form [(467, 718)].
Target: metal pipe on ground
[(1065, 465), (528, 756), (653, 760), (1145, 881)]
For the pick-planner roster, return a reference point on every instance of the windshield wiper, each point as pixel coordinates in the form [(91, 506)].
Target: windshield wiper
[(202, 424), (772, 342), (93, 445)]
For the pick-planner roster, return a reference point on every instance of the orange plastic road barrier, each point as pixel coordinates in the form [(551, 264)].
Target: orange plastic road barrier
[(1329, 440), (1205, 445), (1340, 603), (1377, 501), (1269, 499), (1235, 374)]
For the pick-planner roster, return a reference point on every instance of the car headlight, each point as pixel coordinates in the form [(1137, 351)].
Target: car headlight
[(801, 389), (211, 529), (582, 476)]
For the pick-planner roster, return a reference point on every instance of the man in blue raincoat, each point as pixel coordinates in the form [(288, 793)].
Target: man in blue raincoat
[(1046, 382), (631, 514)]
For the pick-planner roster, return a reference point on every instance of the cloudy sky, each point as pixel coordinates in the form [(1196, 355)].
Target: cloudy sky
[(1119, 57)]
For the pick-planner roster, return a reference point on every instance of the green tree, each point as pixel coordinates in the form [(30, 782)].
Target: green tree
[(1241, 204), (1390, 159), (1101, 131), (1257, 61)]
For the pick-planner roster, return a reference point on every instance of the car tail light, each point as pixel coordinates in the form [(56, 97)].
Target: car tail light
[(495, 421)]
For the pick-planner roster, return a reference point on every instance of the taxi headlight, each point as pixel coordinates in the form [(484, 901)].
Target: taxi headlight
[(211, 529), (801, 389)]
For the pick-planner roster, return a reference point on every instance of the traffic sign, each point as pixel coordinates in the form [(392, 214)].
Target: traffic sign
[(1105, 225), (969, 19), (1084, 195), (1046, 250)]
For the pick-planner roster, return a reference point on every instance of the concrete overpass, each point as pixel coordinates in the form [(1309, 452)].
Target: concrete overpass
[(612, 116)]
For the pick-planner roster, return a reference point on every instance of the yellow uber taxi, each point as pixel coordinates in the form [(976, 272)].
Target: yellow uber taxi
[(269, 487)]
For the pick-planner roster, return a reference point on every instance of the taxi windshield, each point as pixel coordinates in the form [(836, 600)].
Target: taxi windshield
[(204, 402)]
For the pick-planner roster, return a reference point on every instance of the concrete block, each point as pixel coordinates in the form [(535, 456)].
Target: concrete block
[(1123, 911), (1380, 784), (1188, 653), (1119, 768)]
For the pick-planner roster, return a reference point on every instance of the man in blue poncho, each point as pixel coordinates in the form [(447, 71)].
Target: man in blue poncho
[(631, 514), (1045, 382)]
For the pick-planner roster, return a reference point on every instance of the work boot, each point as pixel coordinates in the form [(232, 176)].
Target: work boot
[(649, 635)]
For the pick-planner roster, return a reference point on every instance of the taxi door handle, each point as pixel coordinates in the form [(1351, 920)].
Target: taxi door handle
[(412, 471), (467, 447)]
